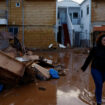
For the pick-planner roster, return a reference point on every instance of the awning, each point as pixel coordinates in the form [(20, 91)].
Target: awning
[(101, 28)]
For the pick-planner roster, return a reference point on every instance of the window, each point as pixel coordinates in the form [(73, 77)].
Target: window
[(58, 15), (87, 9), (71, 16), (75, 15), (13, 30), (18, 4), (81, 13)]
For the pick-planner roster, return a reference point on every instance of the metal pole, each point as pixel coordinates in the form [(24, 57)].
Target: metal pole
[(23, 23), (7, 10), (90, 24)]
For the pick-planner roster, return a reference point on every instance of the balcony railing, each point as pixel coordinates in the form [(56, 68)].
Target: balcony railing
[(70, 28), (76, 21)]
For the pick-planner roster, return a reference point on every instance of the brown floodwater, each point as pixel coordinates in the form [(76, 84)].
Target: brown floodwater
[(76, 88)]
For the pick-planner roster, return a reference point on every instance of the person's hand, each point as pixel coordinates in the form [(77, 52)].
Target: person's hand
[(82, 69)]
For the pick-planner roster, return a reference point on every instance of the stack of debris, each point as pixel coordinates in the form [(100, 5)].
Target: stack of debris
[(11, 70), (20, 67), (26, 69)]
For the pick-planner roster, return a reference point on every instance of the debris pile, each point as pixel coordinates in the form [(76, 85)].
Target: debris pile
[(19, 67)]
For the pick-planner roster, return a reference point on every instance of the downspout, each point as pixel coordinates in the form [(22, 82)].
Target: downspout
[(90, 23), (7, 11), (23, 23), (56, 20)]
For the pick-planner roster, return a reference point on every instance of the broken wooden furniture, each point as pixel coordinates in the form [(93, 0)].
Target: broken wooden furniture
[(10, 69), (43, 71)]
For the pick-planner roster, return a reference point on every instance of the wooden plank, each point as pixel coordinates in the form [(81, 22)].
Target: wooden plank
[(11, 65), (31, 57), (42, 70)]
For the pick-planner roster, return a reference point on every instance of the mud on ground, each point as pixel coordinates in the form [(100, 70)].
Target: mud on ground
[(76, 88)]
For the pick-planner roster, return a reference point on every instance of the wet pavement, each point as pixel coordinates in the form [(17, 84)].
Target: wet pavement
[(76, 88)]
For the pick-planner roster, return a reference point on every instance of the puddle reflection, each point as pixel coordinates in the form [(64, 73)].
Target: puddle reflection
[(69, 98)]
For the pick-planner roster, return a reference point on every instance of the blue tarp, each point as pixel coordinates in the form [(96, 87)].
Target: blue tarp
[(54, 74)]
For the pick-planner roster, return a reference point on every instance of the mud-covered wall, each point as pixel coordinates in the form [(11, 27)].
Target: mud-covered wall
[(2, 4), (37, 36), (3, 8), (39, 21), (35, 12), (98, 8)]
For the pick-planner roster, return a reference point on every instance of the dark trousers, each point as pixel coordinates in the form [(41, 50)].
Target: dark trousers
[(99, 79)]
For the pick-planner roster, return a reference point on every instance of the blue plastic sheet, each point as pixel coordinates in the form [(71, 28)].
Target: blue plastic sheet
[(54, 74)]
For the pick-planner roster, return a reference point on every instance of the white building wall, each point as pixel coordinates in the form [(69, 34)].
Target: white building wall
[(84, 25), (3, 21), (85, 20), (77, 20), (74, 9), (62, 15)]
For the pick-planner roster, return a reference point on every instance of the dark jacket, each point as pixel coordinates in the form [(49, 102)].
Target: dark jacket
[(97, 56)]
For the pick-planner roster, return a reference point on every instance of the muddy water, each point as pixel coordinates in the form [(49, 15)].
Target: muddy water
[(76, 88)]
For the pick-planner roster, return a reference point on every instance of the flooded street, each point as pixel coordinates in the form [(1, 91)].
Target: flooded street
[(76, 88)]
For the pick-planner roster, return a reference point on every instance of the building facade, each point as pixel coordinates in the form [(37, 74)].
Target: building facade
[(97, 19), (78, 20), (69, 21), (33, 22), (85, 23)]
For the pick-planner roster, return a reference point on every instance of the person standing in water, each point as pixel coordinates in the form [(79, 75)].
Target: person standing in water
[(97, 56)]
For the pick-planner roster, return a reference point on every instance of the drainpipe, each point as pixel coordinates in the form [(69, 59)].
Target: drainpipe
[(7, 10), (90, 23), (56, 28), (23, 23)]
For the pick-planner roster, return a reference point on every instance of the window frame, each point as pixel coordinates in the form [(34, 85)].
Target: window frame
[(77, 15), (87, 10), (13, 30), (17, 4), (81, 13)]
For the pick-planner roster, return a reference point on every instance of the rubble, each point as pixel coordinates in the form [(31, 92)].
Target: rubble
[(4, 39), (43, 71), (58, 46), (54, 74), (10, 69), (24, 69), (10, 64), (19, 66), (10, 51), (6, 35), (4, 44), (42, 88)]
